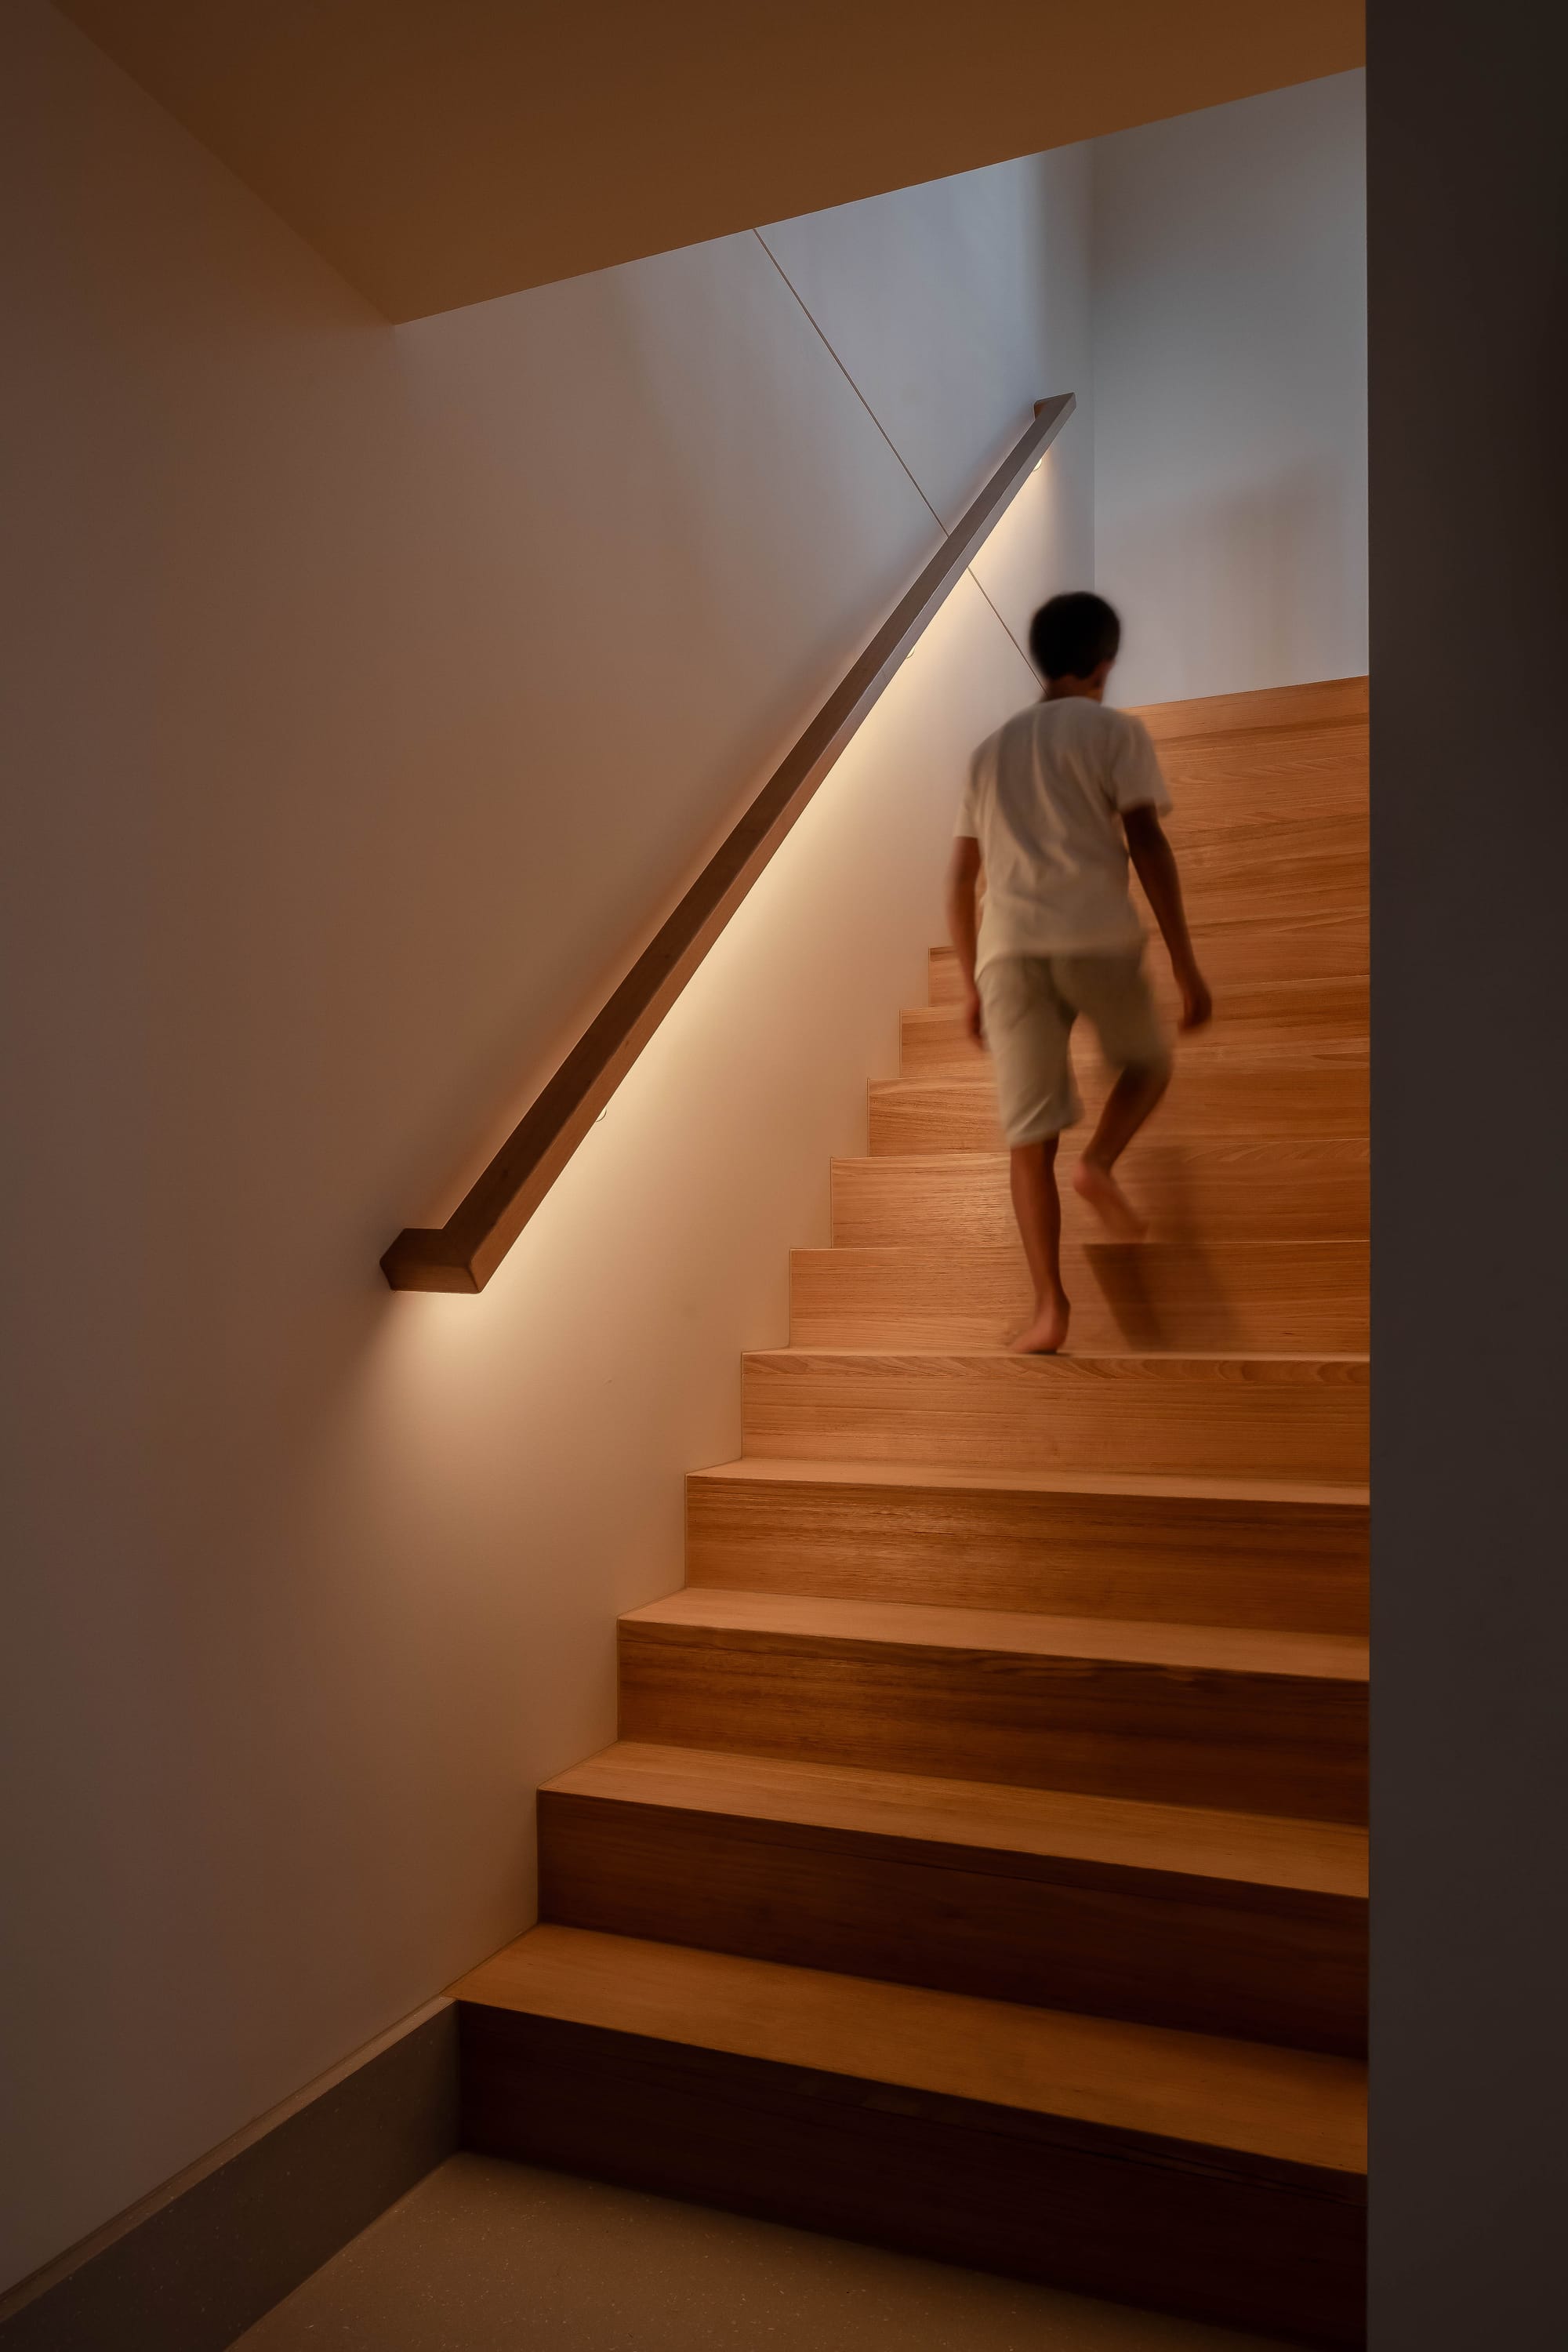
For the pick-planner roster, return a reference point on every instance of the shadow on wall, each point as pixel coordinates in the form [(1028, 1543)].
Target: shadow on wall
[(1231, 584)]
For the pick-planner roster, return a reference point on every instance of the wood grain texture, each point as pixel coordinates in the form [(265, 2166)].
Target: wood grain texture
[(1207, 1716), (741, 1618), (1243, 783), (1279, 2107), (1281, 1188), (1213, 1923), (961, 2180), (1296, 1296), (462, 1254), (1256, 1007), (1016, 1709), (1189, 1551), (1287, 873), (1327, 1017), (1238, 957), (1253, 1849), (933, 1041), (1225, 1416), (1224, 1092), (1327, 702)]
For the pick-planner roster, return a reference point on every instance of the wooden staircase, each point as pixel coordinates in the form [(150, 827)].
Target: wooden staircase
[(981, 1867)]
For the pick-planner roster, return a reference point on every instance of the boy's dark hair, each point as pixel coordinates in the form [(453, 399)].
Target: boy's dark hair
[(1072, 635)]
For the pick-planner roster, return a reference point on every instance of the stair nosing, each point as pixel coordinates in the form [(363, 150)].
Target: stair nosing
[(1072, 1830), (915, 1477), (997, 1158), (733, 1611), (922, 2039), (950, 1249), (1350, 1053)]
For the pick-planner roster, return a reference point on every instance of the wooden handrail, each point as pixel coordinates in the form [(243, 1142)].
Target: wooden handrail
[(464, 1252)]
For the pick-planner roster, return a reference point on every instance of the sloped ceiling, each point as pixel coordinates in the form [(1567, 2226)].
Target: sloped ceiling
[(441, 151)]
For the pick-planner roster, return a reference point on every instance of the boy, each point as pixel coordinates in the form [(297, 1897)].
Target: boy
[(1058, 800)]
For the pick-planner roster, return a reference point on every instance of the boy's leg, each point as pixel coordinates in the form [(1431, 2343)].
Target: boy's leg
[(1028, 1027), (1038, 1206), (1127, 1106), (1114, 994)]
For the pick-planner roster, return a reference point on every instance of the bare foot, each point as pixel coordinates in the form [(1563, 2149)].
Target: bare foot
[(1111, 1204), (1047, 1334)]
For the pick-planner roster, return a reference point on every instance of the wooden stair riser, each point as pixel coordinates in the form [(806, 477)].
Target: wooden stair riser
[(1234, 817), (934, 1042), (1196, 1416), (1243, 1096), (948, 2178), (1240, 960), (1253, 717), (1282, 1189), (1174, 1560), (1294, 1297), (1284, 873), (1265, 1743), (1258, 776), (1203, 1955)]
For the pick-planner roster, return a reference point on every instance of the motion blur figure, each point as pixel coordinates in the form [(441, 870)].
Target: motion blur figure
[(1060, 803)]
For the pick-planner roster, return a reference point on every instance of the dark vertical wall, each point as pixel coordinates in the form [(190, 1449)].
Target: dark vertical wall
[(1468, 127)]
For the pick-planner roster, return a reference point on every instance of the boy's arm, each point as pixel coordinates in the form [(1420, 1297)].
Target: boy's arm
[(963, 873), (1154, 863)]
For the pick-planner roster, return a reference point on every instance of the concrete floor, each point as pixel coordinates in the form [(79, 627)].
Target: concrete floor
[(491, 2257)]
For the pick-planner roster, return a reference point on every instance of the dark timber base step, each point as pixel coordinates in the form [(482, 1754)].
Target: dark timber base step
[(1216, 2178)]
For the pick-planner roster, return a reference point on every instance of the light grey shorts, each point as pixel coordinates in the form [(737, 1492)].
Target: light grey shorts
[(1031, 1003)]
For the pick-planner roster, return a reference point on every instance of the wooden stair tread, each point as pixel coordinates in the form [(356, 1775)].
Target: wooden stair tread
[(1277, 987), (1327, 1103), (1196, 1188), (1232, 1093), (733, 1616), (1244, 2099), (979, 1091), (1080, 1542), (1253, 1016), (943, 964), (1221, 1052), (780, 1469), (1286, 1367), (1184, 1294), (1270, 1259), (1259, 1850), (1237, 951), (945, 987), (945, 1166), (1322, 703), (1220, 1413)]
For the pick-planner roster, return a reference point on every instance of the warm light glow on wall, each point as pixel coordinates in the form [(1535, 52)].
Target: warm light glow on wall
[(901, 774)]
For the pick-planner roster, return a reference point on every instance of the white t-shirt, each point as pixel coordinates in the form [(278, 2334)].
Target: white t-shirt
[(1045, 799)]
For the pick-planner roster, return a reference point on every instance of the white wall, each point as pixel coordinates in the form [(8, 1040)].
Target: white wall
[(372, 692), (1230, 393)]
